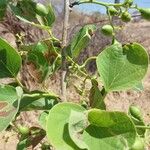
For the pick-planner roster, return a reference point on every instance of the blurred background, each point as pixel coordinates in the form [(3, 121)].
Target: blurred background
[(138, 30)]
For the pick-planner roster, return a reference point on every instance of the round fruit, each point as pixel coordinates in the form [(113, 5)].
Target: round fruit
[(112, 11), (145, 13), (41, 9), (126, 17), (23, 130), (139, 144), (107, 30), (135, 112)]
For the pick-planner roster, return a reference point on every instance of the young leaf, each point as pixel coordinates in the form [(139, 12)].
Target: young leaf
[(109, 130), (122, 68), (57, 126), (81, 40), (9, 67), (95, 97), (9, 105)]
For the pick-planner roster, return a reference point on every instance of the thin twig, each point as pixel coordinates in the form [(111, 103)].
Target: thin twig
[(64, 44)]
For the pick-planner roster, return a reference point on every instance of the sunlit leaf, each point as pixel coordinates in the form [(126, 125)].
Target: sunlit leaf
[(9, 67), (122, 68)]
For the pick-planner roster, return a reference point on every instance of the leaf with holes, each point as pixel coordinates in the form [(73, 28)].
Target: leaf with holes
[(9, 104), (10, 60), (122, 68), (57, 126)]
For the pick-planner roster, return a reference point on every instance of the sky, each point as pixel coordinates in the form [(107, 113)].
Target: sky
[(93, 7)]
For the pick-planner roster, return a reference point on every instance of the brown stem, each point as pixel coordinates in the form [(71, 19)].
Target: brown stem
[(64, 44)]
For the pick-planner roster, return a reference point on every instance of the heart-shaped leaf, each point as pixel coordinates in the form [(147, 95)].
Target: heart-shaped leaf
[(9, 104), (10, 60), (122, 68), (57, 126)]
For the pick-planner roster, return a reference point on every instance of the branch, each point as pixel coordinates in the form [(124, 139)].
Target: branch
[(64, 44)]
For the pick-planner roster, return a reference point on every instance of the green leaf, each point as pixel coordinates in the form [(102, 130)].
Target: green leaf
[(9, 67), (81, 40), (43, 119), (57, 126), (122, 68), (96, 98), (109, 130), (3, 7), (77, 123), (9, 104), (38, 101)]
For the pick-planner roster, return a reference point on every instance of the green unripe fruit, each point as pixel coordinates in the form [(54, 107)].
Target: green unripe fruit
[(107, 30), (145, 13), (41, 9), (135, 112), (139, 144), (112, 11), (126, 17), (23, 130), (128, 2)]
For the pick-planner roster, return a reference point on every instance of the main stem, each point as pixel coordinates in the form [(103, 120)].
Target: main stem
[(64, 44)]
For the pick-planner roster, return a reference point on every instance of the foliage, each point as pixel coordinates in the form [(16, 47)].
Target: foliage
[(71, 126)]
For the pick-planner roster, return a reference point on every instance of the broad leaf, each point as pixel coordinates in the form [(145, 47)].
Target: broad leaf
[(57, 126), (81, 40), (9, 104), (109, 130), (10, 60), (122, 68)]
